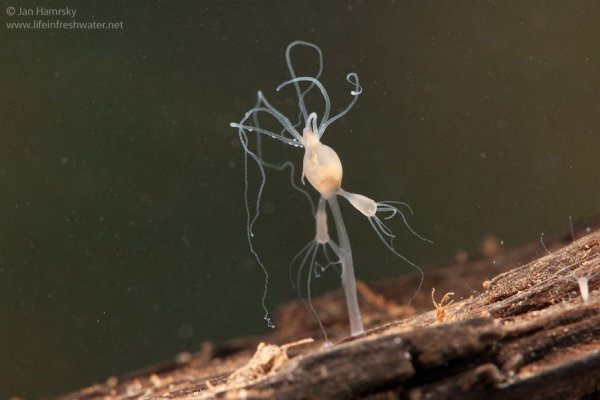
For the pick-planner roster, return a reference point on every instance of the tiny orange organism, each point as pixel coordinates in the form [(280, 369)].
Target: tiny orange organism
[(440, 308)]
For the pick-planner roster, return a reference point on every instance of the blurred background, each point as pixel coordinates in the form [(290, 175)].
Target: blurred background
[(122, 229)]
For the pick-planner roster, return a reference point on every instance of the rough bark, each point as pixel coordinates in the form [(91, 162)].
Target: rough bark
[(528, 334)]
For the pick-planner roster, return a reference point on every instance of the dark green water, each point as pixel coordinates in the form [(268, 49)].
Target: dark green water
[(122, 235)]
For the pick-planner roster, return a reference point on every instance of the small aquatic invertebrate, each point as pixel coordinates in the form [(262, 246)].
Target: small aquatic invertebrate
[(440, 308), (322, 168)]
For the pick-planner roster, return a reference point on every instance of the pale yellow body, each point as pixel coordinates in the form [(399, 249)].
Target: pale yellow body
[(322, 166)]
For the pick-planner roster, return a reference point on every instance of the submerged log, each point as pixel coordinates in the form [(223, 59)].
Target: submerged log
[(530, 333)]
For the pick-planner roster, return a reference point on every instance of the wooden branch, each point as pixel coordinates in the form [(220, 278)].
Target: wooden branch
[(529, 335)]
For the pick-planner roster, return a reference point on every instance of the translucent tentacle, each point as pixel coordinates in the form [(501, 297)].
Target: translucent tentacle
[(308, 297), (269, 109), (387, 207), (353, 79), (282, 118), (274, 135), (250, 221), (398, 202), (282, 166), (376, 224), (318, 85), (301, 94), (302, 255)]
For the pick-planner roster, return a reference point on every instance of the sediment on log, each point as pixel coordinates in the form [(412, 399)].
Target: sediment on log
[(519, 329)]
